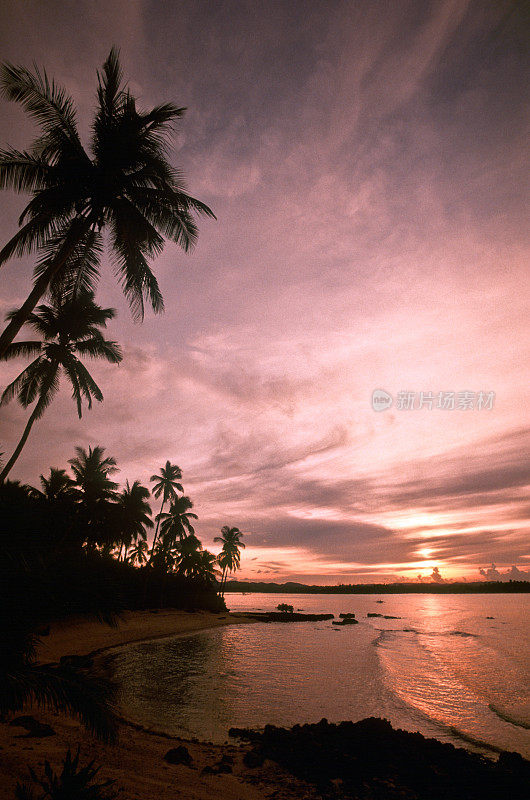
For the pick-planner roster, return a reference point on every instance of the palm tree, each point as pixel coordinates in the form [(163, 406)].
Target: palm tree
[(138, 553), (59, 486), (135, 514), (99, 512), (203, 567), (125, 184), (229, 559), (186, 552), (69, 328), (176, 525), (166, 486), (91, 470)]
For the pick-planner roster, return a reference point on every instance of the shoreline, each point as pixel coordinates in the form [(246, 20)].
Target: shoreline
[(82, 636), (136, 763)]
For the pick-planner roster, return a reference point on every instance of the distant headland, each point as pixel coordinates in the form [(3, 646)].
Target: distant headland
[(471, 587)]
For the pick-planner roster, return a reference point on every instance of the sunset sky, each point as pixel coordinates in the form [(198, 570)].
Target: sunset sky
[(368, 166)]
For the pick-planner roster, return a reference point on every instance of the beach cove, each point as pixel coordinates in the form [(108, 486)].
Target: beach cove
[(136, 763)]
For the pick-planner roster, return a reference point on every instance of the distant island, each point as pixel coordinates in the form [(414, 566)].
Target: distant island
[(475, 587)]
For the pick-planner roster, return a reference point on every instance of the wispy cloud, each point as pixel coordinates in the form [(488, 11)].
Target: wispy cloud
[(365, 163)]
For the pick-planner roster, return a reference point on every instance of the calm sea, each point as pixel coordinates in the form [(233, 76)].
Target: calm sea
[(455, 667)]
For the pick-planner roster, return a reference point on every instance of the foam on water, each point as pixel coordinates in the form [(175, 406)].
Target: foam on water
[(445, 669)]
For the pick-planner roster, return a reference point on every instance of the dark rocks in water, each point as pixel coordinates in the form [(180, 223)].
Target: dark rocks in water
[(347, 616), (513, 762), (370, 759), (254, 758), (382, 616), (34, 728), (346, 621), (77, 662), (379, 601), (222, 767), (490, 617), (280, 616), (178, 755)]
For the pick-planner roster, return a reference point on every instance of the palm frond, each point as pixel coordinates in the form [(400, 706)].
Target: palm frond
[(160, 116), (17, 349), (80, 271), (29, 378), (22, 171), (48, 388), (98, 347), (171, 212), (132, 269), (88, 385), (110, 96), (31, 237), (71, 372), (46, 102), (62, 689)]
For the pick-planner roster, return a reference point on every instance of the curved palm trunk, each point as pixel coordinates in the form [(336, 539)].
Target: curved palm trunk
[(147, 571), (20, 445), (156, 532), (221, 582), (79, 228)]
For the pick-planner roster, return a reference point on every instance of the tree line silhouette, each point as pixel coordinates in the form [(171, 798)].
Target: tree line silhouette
[(78, 544)]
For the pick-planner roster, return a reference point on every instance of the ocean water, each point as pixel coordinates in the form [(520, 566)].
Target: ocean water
[(456, 667)]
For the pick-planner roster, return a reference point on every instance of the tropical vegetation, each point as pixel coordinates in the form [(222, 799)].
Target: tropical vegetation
[(73, 782), (230, 556), (78, 544), (68, 329), (124, 185)]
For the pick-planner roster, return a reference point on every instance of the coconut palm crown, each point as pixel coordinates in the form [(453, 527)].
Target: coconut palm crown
[(230, 557), (135, 515), (69, 330), (176, 523), (166, 486), (125, 184)]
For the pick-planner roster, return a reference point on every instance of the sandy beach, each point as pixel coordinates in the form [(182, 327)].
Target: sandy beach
[(136, 763)]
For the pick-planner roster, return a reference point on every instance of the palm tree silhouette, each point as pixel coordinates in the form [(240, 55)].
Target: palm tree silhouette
[(59, 486), (229, 559), (204, 567), (135, 515), (91, 471), (176, 525), (138, 553), (126, 185), (69, 328), (185, 553), (166, 486), (99, 513)]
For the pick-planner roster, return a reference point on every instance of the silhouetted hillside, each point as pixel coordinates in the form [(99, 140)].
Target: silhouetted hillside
[(480, 587)]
